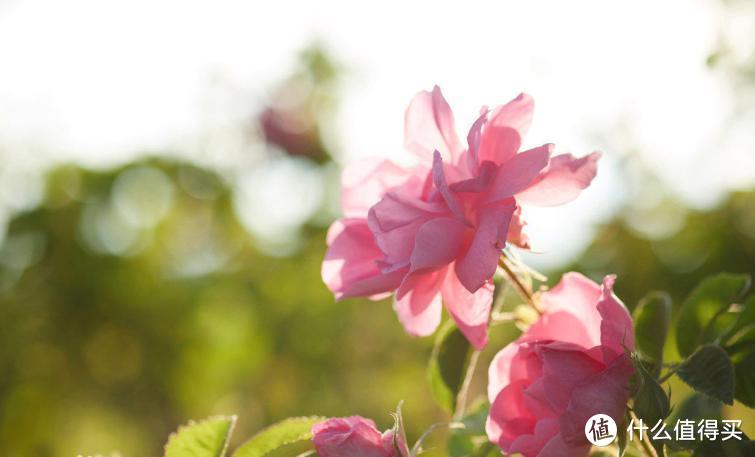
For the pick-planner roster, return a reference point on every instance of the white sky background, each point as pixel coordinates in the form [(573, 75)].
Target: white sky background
[(98, 81)]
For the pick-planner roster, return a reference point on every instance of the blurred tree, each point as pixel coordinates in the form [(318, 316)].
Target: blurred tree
[(133, 299)]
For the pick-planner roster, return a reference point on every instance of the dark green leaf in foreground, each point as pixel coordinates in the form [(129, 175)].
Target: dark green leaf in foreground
[(699, 321), (695, 408), (710, 371), (285, 432), (651, 403), (207, 438), (651, 322), (744, 375), (448, 365)]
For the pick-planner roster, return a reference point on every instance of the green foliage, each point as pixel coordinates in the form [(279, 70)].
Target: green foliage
[(745, 321), (468, 439), (695, 408), (448, 365), (651, 322), (700, 318), (710, 371), (744, 375), (207, 438), (651, 403), (285, 432)]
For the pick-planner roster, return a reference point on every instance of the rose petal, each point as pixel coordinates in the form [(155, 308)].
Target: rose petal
[(530, 445), (394, 222), (569, 313), (517, 173), (515, 362), (616, 330), (556, 447), (505, 130), (470, 311), (561, 181), (364, 183), (349, 268), (429, 125), (606, 393), (439, 179), (437, 244), (564, 367), (480, 261), (418, 303), (509, 418)]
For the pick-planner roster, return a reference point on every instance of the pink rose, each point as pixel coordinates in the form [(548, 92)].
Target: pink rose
[(436, 231), (354, 436), (570, 365)]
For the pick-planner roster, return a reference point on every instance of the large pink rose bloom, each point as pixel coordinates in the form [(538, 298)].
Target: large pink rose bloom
[(354, 436), (570, 365), (433, 233)]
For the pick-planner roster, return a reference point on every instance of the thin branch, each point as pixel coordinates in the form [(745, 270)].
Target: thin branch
[(523, 291), (671, 372), (461, 398), (646, 446)]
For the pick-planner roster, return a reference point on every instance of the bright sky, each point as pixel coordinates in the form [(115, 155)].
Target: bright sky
[(99, 81)]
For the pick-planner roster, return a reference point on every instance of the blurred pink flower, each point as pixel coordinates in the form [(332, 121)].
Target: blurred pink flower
[(354, 436), (437, 230), (571, 364)]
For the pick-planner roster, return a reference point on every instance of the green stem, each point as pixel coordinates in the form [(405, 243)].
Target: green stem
[(669, 374), (523, 291), (461, 398), (647, 448)]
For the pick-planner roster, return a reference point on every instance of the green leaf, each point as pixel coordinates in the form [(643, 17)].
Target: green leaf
[(698, 321), (651, 403), (744, 375), (710, 371), (695, 408), (285, 432), (207, 438), (745, 321), (448, 365), (468, 437), (651, 321)]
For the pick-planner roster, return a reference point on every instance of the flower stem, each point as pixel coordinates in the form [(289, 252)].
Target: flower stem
[(461, 398), (647, 448), (523, 291), (668, 374)]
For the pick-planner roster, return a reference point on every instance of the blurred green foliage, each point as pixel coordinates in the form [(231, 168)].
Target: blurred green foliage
[(124, 313), (132, 300)]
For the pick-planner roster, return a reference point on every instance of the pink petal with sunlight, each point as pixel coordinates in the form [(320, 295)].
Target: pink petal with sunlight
[(561, 181), (364, 183), (429, 125), (470, 311), (503, 134), (569, 312), (517, 173), (418, 302), (616, 329), (437, 244), (349, 268), (481, 259)]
